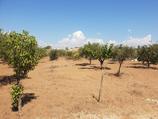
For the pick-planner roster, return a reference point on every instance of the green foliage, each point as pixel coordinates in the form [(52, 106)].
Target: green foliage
[(3, 37), (96, 51), (20, 50), (53, 54), (88, 51), (148, 54), (74, 55), (121, 53), (16, 93), (42, 52), (47, 47), (61, 52), (103, 52)]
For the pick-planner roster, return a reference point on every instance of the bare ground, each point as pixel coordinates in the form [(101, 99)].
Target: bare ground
[(67, 89)]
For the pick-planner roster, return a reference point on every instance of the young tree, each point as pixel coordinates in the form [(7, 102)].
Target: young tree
[(88, 51), (121, 53), (21, 52), (103, 52), (42, 52)]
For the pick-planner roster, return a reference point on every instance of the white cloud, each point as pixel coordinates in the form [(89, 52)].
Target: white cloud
[(113, 42), (76, 39), (134, 42), (44, 44)]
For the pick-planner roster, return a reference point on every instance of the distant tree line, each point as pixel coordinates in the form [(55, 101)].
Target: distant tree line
[(95, 51)]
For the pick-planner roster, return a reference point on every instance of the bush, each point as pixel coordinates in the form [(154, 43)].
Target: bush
[(74, 55), (42, 52), (53, 54), (16, 93), (61, 53)]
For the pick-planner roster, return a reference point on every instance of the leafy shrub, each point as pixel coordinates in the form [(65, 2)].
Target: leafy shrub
[(53, 54), (74, 55), (61, 52), (42, 52), (22, 54), (16, 93)]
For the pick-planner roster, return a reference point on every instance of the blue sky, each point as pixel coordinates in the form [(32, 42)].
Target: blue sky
[(51, 21)]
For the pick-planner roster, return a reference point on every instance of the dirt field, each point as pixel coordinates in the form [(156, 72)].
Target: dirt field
[(66, 89)]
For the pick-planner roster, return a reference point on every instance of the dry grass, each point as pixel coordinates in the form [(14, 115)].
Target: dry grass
[(66, 89)]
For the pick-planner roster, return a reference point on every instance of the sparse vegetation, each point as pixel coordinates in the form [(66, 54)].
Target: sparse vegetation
[(16, 93), (53, 54), (148, 54), (21, 51)]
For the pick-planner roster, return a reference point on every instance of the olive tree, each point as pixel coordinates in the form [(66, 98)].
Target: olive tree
[(121, 53), (88, 51), (103, 52), (148, 54)]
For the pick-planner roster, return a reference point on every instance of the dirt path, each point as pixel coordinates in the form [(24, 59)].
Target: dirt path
[(66, 89)]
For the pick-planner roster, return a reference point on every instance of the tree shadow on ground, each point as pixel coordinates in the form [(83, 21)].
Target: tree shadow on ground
[(142, 67), (28, 97), (111, 62), (2, 62), (5, 80), (82, 64), (116, 74), (136, 63), (95, 68)]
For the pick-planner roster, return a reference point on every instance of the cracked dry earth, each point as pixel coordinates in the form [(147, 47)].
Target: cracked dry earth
[(66, 89)]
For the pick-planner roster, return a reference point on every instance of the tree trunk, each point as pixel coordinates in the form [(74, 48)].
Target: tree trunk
[(90, 60), (119, 69), (25, 74), (100, 89), (18, 80), (101, 63), (148, 64), (19, 106)]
